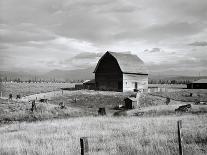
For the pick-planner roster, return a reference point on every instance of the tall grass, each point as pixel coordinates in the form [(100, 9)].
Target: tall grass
[(106, 135), (21, 111)]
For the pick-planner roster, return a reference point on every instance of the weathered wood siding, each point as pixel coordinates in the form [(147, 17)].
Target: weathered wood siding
[(109, 82), (130, 80), (108, 75)]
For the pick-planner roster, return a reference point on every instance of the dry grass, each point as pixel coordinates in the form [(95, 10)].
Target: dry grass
[(106, 135), (30, 88), (184, 95), (21, 111), (161, 110), (87, 103)]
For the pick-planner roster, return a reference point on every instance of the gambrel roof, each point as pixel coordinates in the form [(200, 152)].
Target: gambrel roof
[(128, 63)]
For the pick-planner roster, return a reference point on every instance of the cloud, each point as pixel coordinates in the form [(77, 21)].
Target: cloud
[(186, 67), (153, 50), (81, 60), (162, 32), (49, 32), (88, 55), (198, 43), (24, 33)]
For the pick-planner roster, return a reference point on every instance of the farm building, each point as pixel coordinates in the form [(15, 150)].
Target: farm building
[(200, 84), (78, 86), (120, 72), (130, 102), (89, 84)]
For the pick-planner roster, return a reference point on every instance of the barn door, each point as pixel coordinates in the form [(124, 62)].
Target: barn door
[(120, 86)]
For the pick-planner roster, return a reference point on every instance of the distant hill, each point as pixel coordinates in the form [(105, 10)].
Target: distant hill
[(54, 75), (78, 75)]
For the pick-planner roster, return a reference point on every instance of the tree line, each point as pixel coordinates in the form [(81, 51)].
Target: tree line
[(33, 80), (169, 81)]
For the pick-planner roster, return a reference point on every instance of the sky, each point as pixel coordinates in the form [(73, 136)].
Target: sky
[(43, 35)]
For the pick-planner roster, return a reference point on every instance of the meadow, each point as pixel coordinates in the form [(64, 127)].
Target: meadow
[(77, 103), (106, 136), (25, 89), (53, 130), (184, 95)]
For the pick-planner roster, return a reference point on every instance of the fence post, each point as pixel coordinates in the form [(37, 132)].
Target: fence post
[(102, 111), (179, 124), (84, 146)]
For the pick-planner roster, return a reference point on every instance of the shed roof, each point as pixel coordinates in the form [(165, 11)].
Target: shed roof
[(133, 99), (89, 81), (128, 63), (200, 81)]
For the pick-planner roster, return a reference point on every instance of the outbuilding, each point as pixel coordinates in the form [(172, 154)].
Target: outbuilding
[(130, 102), (89, 84), (121, 72), (78, 86), (199, 84)]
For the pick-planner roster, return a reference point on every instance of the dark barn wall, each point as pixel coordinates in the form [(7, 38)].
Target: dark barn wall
[(109, 81), (108, 75)]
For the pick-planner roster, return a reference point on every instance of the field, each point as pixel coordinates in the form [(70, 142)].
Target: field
[(25, 89), (106, 135), (53, 130), (184, 95), (77, 103)]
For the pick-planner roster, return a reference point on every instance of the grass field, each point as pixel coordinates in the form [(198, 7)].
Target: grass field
[(78, 103), (52, 130), (85, 103), (25, 89), (106, 135), (184, 95)]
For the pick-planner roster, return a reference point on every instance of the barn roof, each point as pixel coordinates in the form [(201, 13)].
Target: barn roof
[(128, 63), (201, 81)]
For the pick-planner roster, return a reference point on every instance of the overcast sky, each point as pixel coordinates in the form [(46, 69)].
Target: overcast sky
[(169, 36)]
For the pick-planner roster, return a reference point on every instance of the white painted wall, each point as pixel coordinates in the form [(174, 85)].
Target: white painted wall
[(130, 79)]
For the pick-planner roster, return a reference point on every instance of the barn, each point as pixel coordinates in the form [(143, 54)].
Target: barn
[(120, 72), (199, 84)]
